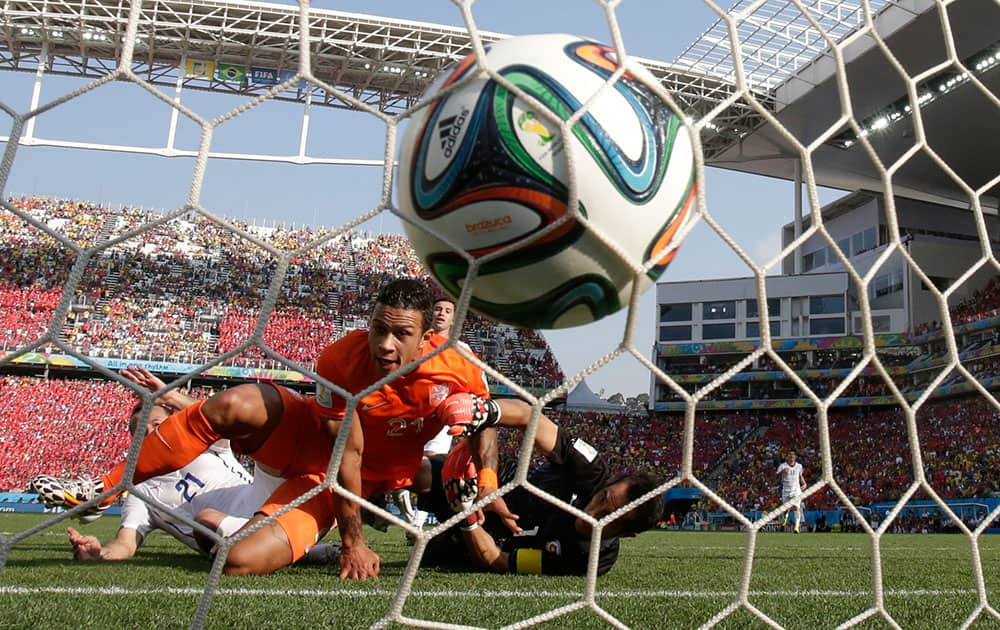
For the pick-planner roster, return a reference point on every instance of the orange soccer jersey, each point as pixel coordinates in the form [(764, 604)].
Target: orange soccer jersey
[(400, 417)]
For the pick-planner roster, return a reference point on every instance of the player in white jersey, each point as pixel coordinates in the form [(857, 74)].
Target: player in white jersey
[(214, 478), (792, 484)]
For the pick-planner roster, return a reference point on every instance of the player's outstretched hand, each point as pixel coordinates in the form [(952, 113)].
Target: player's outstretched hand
[(358, 562), (467, 414), (84, 547), (499, 507), (142, 377)]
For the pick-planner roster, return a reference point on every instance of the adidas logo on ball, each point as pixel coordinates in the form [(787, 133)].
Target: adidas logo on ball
[(448, 130)]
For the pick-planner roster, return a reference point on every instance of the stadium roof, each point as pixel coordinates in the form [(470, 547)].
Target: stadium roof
[(383, 62), (958, 92), (787, 62), (776, 39)]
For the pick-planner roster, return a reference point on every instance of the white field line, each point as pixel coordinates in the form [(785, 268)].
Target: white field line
[(258, 592)]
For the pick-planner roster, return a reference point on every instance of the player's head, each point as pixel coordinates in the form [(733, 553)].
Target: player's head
[(443, 316), (791, 457), (400, 324), (157, 415), (620, 491)]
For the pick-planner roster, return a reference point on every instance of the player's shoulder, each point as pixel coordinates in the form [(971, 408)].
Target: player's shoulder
[(342, 353), (350, 340), (453, 366)]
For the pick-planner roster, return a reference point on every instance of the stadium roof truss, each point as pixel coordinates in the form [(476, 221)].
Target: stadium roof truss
[(784, 47), (385, 63), (776, 39)]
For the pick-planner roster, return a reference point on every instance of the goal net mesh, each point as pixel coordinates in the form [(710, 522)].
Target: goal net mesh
[(754, 49)]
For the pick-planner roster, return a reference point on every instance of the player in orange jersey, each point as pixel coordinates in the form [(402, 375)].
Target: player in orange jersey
[(401, 416), (283, 431)]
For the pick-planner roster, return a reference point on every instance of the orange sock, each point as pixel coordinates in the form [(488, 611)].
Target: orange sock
[(176, 443)]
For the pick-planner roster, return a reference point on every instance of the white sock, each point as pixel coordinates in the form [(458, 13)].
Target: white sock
[(419, 518), (230, 525), (402, 500)]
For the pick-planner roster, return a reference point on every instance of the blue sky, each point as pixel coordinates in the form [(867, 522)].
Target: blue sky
[(750, 208)]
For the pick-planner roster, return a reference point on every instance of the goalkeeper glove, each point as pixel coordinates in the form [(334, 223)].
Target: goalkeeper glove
[(458, 477), (468, 414)]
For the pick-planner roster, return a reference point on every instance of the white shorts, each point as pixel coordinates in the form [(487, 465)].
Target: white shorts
[(239, 501), (794, 497)]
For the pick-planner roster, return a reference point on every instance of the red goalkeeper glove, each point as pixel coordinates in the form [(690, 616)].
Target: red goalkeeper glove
[(467, 414), (458, 477)]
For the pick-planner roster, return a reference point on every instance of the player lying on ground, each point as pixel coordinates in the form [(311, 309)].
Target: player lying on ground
[(286, 437), (214, 481), (290, 436), (552, 541)]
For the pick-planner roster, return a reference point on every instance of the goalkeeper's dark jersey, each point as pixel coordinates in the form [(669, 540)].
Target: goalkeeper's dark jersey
[(550, 545)]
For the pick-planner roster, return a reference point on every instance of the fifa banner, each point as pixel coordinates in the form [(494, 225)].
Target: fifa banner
[(29, 503), (272, 76), (802, 403), (777, 375), (219, 371)]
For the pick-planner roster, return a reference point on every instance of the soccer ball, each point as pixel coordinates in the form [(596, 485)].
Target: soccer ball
[(484, 170)]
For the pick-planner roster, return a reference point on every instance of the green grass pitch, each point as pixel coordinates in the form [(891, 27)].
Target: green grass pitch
[(662, 580)]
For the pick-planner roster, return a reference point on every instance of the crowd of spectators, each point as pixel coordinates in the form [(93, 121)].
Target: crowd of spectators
[(188, 289), (982, 304), (959, 449), (60, 427)]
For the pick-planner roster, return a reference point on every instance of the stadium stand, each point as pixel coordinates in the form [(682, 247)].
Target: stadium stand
[(201, 287), (188, 291)]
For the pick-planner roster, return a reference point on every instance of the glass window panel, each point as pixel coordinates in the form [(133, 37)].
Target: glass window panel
[(773, 308), (718, 331), (822, 304), (753, 329), (719, 310), (675, 333), (845, 246), (833, 326), (675, 312), (870, 238)]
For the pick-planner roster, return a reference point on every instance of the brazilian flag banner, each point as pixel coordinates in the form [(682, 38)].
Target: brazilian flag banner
[(231, 72)]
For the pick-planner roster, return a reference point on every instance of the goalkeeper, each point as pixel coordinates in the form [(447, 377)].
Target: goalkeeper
[(551, 541)]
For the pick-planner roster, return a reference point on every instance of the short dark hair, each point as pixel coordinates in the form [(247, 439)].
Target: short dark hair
[(445, 298), (409, 294), (134, 416), (648, 513)]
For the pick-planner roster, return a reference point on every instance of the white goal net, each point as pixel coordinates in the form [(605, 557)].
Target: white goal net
[(780, 83)]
